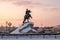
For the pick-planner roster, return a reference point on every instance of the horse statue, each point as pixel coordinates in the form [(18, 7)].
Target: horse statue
[(27, 16)]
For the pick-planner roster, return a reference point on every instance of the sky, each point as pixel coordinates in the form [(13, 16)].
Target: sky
[(46, 12)]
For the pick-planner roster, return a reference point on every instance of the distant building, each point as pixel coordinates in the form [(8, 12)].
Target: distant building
[(45, 30), (56, 29), (6, 29)]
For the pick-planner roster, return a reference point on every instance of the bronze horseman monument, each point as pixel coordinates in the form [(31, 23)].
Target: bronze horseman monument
[(27, 26)]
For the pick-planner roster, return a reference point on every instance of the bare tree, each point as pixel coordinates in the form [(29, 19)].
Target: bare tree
[(9, 24)]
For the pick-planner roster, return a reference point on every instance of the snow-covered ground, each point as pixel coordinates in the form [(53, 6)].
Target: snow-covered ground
[(30, 39), (40, 37)]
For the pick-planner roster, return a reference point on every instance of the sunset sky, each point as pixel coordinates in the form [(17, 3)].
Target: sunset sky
[(46, 12)]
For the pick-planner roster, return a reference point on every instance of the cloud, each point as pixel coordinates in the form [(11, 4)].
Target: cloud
[(54, 9), (25, 2), (31, 3)]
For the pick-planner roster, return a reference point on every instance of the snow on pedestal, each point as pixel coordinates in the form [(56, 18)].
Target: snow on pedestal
[(24, 28)]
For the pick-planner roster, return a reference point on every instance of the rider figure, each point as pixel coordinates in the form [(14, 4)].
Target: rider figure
[(27, 15)]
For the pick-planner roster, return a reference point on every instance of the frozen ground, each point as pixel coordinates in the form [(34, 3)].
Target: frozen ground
[(40, 37), (30, 39)]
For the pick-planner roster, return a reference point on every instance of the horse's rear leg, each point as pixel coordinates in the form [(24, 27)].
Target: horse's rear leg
[(27, 20), (24, 20)]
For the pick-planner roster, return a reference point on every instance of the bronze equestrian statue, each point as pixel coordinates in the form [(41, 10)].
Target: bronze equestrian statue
[(27, 16)]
